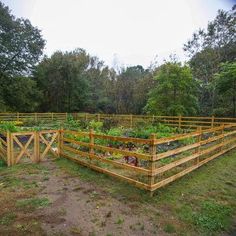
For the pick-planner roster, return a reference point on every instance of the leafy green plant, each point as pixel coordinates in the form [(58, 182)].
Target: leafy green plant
[(96, 125), (8, 126), (187, 141), (212, 216)]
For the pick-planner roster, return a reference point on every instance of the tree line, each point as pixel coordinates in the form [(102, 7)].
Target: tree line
[(75, 81)]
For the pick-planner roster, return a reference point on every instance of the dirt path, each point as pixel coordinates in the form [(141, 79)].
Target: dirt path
[(79, 208)]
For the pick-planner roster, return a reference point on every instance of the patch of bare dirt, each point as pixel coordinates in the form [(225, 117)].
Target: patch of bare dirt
[(81, 208)]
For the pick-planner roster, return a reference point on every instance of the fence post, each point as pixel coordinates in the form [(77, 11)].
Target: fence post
[(12, 149), (60, 142), (131, 121), (17, 116), (36, 147), (91, 142), (52, 115), (199, 139), (152, 151), (212, 121), (9, 151), (153, 119), (180, 120), (222, 139), (98, 117), (35, 117)]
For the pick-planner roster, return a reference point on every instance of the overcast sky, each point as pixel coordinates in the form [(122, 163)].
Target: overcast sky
[(131, 31)]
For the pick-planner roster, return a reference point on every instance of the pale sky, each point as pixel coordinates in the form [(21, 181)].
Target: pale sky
[(132, 31)]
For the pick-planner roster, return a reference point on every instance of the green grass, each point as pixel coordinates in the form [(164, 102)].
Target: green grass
[(7, 219), (33, 203), (212, 216), (169, 228)]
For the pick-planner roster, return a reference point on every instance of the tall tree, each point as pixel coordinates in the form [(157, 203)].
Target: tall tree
[(175, 92), (73, 81), (207, 50), (21, 46), (225, 82), (131, 89)]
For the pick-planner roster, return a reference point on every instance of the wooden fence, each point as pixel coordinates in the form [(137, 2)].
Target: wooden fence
[(175, 121), (32, 116), (124, 120), (146, 163)]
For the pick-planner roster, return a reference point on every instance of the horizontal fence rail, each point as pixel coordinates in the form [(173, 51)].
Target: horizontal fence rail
[(32, 116)]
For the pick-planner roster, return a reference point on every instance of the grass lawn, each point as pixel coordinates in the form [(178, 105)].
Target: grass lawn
[(201, 203)]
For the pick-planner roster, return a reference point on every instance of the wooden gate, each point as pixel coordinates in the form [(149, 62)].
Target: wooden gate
[(48, 143), (22, 145)]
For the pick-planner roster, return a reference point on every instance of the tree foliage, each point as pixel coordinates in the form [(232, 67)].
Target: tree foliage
[(225, 82), (21, 44), (175, 92), (207, 50)]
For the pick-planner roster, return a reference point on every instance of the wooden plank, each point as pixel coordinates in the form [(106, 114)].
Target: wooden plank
[(22, 133), (3, 141), (77, 133), (76, 142)]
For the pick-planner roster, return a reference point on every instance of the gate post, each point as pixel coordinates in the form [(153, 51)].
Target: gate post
[(199, 139), (36, 147), (180, 122), (222, 139), (91, 142), (9, 149), (60, 142), (152, 151), (212, 121)]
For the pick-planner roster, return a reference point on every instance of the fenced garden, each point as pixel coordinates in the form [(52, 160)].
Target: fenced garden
[(148, 156)]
